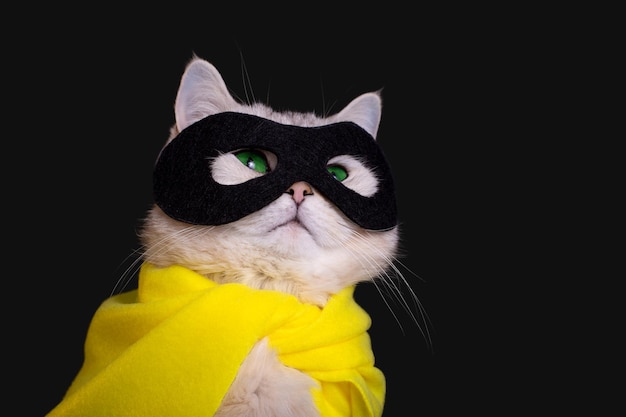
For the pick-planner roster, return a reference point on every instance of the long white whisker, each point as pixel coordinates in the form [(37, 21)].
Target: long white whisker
[(393, 289), (247, 84), (160, 247), (362, 259), (127, 275), (418, 313)]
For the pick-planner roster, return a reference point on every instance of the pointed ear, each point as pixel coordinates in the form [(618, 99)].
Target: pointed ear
[(202, 92), (365, 111)]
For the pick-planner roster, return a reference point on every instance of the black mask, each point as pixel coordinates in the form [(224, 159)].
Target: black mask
[(185, 189)]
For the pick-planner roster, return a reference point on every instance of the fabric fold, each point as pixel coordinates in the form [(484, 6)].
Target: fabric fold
[(173, 346)]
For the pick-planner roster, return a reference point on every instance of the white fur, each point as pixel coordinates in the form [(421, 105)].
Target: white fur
[(265, 387), (310, 250)]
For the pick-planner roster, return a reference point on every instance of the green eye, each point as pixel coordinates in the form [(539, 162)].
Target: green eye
[(254, 160), (338, 172)]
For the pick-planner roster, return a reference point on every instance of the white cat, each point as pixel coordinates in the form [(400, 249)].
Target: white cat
[(299, 244), (290, 202)]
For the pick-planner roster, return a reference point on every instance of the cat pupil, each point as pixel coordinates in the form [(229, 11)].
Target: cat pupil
[(339, 173), (254, 160)]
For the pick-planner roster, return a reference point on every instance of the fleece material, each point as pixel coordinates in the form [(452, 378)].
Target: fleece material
[(173, 346)]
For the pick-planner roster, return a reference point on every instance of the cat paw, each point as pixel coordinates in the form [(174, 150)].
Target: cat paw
[(264, 387)]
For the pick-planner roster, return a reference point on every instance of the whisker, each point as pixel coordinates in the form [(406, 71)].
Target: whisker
[(128, 273), (425, 319), (397, 285), (362, 259), (392, 290), (247, 84), (158, 248), (324, 112)]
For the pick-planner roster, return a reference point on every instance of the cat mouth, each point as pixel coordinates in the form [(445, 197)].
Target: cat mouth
[(293, 224)]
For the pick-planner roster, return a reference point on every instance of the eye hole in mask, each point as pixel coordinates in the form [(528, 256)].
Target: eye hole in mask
[(242, 165)]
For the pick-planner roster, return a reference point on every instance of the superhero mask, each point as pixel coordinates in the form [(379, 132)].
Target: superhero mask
[(186, 191)]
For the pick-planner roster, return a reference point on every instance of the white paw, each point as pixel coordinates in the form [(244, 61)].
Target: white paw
[(264, 387)]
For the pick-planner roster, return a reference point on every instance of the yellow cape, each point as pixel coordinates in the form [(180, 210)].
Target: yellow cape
[(173, 346)]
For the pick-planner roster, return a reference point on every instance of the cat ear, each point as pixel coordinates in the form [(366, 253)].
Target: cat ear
[(365, 111), (202, 92)]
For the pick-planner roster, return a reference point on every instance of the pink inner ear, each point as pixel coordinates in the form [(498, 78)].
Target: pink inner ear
[(201, 93), (365, 111)]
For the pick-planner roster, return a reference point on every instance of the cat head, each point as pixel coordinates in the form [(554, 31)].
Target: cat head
[(282, 200)]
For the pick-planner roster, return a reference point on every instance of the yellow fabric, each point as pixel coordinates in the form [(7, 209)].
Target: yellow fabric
[(173, 346)]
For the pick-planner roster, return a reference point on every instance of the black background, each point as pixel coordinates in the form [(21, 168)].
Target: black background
[(92, 103)]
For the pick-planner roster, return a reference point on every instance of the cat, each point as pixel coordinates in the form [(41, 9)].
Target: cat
[(300, 244), (308, 227)]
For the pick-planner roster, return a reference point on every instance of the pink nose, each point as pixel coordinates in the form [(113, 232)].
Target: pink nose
[(299, 190)]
